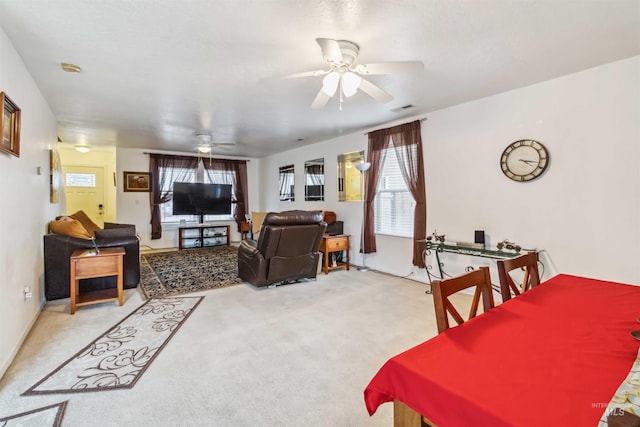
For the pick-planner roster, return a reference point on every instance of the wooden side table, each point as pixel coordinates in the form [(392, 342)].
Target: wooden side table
[(87, 264), (245, 229), (331, 244)]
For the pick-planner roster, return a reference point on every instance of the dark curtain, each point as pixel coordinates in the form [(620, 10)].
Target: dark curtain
[(237, 169), (378, 142), (407, 143), (175, 168)]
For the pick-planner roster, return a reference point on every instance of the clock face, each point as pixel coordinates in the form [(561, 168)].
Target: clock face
[(524, 160)]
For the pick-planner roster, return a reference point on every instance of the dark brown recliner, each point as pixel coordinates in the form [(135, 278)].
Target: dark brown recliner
[(286, 250)]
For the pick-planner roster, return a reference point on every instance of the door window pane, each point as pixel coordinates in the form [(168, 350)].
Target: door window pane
[(80, 180)]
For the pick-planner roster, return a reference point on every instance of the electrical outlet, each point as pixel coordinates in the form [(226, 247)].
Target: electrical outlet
[(27, 293)]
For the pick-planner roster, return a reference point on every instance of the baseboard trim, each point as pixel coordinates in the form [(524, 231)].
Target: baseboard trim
[(5, 367)]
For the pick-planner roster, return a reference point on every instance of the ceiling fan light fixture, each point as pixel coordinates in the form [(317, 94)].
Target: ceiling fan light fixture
[(350, 83), (204, 149), (330, 83), (204, 138)]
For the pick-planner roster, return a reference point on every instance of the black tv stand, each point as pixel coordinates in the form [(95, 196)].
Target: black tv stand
[(202, 235)]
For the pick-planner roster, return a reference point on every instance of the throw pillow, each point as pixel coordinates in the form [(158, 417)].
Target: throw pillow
[(69, 227), (86, 222)]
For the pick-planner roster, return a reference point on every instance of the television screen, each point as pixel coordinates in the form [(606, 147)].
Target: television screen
[(201, 199)]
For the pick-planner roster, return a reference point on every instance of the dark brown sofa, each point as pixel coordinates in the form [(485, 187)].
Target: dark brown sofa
[(287, 249), (58, 249)]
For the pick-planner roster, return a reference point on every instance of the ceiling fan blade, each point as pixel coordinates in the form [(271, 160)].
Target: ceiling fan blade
[(330, 50), (374, 91), (389, 67), (306, 74), (321, 100)]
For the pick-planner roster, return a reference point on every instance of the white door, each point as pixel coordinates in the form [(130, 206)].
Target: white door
[(84, 190)]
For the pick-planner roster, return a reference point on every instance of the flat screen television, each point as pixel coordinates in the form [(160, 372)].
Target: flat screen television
[(201, 199)]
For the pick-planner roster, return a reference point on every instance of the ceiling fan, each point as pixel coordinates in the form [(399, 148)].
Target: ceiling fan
[(206, 143), (345, 76)]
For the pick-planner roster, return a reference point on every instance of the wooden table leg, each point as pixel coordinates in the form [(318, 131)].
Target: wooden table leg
[(326, 262), (348, 260), (403, 416), (120, 281), (73, 288)]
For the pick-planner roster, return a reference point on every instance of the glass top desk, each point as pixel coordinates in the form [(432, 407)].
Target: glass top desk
[(438, 248)]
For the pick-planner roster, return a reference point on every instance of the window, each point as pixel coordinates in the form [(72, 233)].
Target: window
[(191, 175), (314, 180), (80, 180), (287, 178), (394, 205)]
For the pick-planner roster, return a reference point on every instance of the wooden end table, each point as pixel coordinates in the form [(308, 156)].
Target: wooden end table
[(245, 229), (87, 264), (331, 244)]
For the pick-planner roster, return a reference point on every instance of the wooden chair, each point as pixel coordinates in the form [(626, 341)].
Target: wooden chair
[(527, 262), (443, 289), (621, 418), (404, 416)]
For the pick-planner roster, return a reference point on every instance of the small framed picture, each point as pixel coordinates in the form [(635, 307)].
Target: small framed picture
[(10, 124), (55, 175), (137, 181)]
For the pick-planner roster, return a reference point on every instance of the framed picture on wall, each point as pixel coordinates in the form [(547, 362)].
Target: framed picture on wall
[(10, 125), (55, 175), (137, 181)]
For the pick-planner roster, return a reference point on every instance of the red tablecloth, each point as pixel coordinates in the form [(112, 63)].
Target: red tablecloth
[(553, 356)]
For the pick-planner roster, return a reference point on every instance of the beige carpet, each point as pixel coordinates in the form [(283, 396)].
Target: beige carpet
[(296, 355)]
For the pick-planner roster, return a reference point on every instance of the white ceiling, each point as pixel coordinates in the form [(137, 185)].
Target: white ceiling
[(156, 72)]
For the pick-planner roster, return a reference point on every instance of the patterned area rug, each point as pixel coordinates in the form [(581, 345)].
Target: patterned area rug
[(118, 358), (190, 270), (47, 416)]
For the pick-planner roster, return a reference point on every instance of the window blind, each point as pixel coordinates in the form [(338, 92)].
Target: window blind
[(394, 205)]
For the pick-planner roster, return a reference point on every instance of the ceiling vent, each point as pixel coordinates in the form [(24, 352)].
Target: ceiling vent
[(404, 107)]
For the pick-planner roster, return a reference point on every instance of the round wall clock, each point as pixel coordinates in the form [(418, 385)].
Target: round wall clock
[(524, 160)]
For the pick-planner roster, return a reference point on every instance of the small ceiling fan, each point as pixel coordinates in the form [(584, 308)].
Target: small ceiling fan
[(206, 143), (346, 77)]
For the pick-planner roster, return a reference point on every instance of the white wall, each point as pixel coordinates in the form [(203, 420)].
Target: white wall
[(584, 211), (134, 208), (25, 205)]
